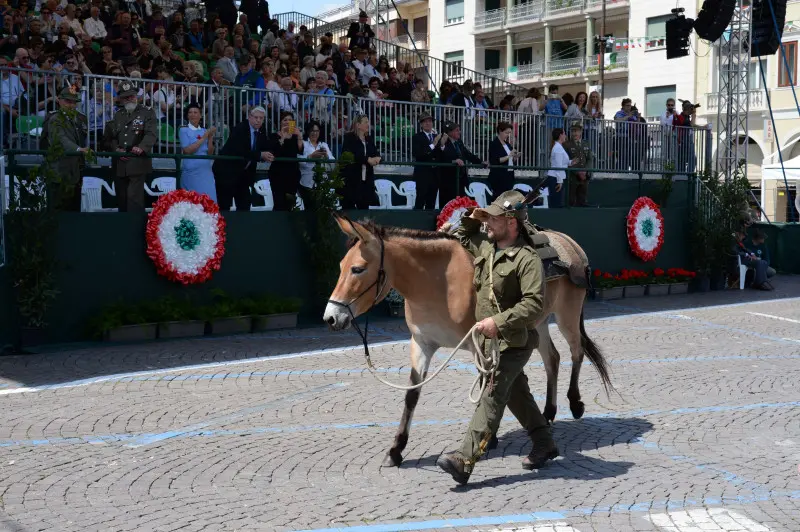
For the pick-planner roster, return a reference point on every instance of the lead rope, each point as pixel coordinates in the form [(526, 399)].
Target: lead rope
[(485, 365)]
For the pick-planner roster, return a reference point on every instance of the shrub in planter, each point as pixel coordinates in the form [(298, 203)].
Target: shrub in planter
[(397, 304), (124, 323), (271, 312), (607, 286), (225, 316), (679, 280), (178, 318)]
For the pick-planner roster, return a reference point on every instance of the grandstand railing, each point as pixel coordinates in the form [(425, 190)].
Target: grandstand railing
[(616, 146), (429, 69)]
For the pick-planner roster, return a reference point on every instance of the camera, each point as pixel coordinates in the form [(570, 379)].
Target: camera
[(696, 105)]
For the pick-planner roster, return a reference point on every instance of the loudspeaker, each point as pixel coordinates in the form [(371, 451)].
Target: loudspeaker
[(766, 41), (713, 18), (678, 31)]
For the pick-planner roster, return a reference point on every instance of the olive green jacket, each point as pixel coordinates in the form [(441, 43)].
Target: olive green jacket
[(70, 132), (126, 130), (514, 276)]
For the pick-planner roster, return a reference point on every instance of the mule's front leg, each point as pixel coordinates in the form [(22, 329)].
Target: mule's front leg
[(420, 360), (551, 359)]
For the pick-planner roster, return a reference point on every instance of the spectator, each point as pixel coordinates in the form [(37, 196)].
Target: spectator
[(313, 148), (132, 131), (308, 71), (95, 27), (397, 90), (359, 33), (250, 79), (453, 179), (580, 153), (122, 39), (685, 137), (248, 140), (284, 176), (196, 174), (751, 260), (197, 39), (426, 147), (228, 64), (359, 176), (758, 247), (12, 98), (286, 99), (554, 108), (559, 162), (369, 71), (625, 117), (502, 153), (67, 128)]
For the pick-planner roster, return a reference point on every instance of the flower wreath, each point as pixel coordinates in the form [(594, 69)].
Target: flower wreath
[(645, 229), (185, 236), (452, 212)]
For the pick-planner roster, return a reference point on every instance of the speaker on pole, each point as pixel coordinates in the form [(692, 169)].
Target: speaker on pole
[(679, 29), (713, 18), (766, 39)]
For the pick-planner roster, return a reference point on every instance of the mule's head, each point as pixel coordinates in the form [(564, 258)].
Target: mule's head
[(362, 278)]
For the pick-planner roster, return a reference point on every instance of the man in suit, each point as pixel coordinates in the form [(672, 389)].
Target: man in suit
[(248, 141), (453, 179), (425, 146), (359, 33)]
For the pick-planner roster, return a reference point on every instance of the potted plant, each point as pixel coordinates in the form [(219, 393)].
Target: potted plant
[(225, 316), (178, 319), (607, 287), (660, 284), (397, 304), (120, 322), (635, 282), (680, 280), (270, 313)]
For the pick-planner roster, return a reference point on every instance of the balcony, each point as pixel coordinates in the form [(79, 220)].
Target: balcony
[(526, 13), (559, 8), (757, 99), (488, 20), (562, 68)]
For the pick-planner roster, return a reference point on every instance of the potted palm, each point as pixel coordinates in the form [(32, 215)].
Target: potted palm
[(397, 304)]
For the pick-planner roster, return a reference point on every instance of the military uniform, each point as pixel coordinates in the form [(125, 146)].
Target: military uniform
[(510, 289), (578, 189), (67, 128), (129, 129)]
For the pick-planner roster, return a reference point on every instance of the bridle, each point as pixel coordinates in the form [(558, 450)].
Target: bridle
[(379, 284)]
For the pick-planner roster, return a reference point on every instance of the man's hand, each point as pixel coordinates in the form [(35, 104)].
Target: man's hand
[(488, 328), (122, 150), (267, 156), (459, 162), (558, 187), (374, 161), (136, 150)]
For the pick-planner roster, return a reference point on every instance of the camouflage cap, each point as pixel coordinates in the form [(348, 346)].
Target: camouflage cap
[(510, 203)]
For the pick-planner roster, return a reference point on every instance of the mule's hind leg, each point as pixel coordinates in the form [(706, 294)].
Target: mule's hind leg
[(420, 360), (551, 360), (569, 323)]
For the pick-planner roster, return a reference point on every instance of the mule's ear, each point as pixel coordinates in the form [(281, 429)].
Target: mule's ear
[(352, 229)]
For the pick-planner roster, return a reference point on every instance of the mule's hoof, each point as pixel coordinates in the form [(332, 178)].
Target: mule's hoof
[(550, 412), (577, 409), (493, 443), (392, 459)]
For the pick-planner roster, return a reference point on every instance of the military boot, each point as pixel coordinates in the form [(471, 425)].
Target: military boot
[(543, 450), (456, 465)]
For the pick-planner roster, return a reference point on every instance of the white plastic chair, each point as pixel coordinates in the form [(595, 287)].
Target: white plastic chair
[(299, 203), (409, 190), (522, 187), (92, 194), (742, 272), (543, 193), (161, 185), (264, 189), (383, 188), (479, 192)]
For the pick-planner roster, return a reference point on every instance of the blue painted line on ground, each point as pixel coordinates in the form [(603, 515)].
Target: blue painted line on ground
[(197, 430), (147, 439)]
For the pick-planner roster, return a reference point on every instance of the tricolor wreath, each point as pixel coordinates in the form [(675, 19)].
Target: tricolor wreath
[(452, 212), (645, 229), (186, 236)]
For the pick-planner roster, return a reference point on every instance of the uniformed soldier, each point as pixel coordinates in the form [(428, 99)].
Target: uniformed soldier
[(133, 130), (68, 128), (582, 154), (510, 287)]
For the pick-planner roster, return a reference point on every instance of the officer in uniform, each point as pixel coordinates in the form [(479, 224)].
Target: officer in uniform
[(582, 154), (510, 286), (132, 131), (67, 128)]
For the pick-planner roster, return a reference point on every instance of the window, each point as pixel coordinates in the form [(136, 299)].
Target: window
[(657, 31), (656, 99), (491, 59), (455, 62), (791, 57), (755, 73), (524, 56), (453, 11)]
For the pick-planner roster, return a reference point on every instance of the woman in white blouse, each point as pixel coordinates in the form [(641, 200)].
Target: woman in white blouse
[(313, 148), (559, 162)]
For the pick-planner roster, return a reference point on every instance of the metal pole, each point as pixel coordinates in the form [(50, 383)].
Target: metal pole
[(602, 58)]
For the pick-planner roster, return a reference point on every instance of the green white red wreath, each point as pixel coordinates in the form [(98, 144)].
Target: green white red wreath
[(186, 236), (452, 212), (645, 229)]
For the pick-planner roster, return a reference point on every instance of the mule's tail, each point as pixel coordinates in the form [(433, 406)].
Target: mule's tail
[(594, 354)]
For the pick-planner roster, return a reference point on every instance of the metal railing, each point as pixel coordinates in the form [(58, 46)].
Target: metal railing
[(757, 100), (576, 66), (539, 10), (618, 147), (429, 69), (490, 19)]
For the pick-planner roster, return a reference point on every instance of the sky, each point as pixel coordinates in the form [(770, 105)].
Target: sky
[(302, 6)]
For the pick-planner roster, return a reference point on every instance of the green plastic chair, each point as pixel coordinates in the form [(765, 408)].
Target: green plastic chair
[(166, 133), (25, 124), (196, 57), (181, 55), (96, 47), (403, 127)]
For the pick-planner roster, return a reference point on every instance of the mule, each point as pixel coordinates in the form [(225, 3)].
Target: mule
[(434, 274)]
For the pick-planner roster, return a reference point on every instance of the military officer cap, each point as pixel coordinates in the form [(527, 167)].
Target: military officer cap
[(576, 125), (449, 126), (510, 204), (70, 93), (127, 88)]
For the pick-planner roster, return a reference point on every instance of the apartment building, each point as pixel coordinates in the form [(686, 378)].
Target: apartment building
[(778, 82)]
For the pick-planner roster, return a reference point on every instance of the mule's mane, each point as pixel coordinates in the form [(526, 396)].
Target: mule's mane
[(387, 232)]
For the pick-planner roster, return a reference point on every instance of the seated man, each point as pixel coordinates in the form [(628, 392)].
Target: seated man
[(751, 260), (758, 247)]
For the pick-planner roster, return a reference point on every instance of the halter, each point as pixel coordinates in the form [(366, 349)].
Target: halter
[(380, 284)]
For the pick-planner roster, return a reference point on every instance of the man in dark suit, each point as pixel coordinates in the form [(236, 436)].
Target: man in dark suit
[(248, 140), (359, 33), (453, 179), (425, 146)]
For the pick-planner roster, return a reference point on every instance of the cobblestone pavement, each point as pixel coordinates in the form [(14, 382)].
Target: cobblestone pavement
[(286, 431)]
